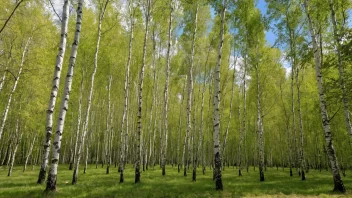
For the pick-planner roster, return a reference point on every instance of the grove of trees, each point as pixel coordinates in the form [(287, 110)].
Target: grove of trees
[(187, 83)]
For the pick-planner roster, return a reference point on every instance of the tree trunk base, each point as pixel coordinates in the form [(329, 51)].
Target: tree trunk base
[(75, 177), (303, 176), (194, 175), (51, 183), (239, 173), (218, 184), (339, 187), (121, 176), (261, 176), (137, 178), (107, 169), (71, 166), (163, 170), (41, 177), (185, 172)]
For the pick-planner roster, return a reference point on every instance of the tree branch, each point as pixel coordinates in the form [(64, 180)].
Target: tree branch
[(8, 19), (54, 10), (335, 113)]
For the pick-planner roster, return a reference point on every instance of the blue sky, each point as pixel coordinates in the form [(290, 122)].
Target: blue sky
[(270, 36)]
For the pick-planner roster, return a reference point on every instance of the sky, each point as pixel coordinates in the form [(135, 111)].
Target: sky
[(270, 36)]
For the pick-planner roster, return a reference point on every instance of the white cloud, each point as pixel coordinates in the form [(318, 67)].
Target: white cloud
[(285, 62)]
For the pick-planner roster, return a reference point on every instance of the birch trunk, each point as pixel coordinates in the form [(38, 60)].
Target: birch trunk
[(201, 128), (123, 133), (166, 92), (108, 129), (29, 153), (52, 176), (231, 108), (190, 95), (244, 114), (140, 96), (260, 129), (345, 99), (289, 149), (216, 121), (155, 102), (54, 92), (179, 164), (17, 141), (338, 184), (293, 112), (2, 82), (7, 108), (90, 97), (301, 154), (78, 121)]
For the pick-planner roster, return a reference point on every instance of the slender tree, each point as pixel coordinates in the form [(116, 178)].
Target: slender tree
[(7, 108), (337, 41), (140, 90), (216, 104), (338, 184), (52, 176), (123, 132), (54, 92), (166, 92), (90, 97)]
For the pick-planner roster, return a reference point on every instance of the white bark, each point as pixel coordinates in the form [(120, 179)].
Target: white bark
[(79, 117), (154, 100), (345, 99), (29, 153), (54, 91), (301, 154), (123, 133), (17, 141), (7, 108), (244, 114), (2, 81), (324, 114), (90, 97), (190, 95), (51, 181), (140, 95), (108, 129), (180, 129), (260, 127), (166, 92), (216, 104), (231, 108)]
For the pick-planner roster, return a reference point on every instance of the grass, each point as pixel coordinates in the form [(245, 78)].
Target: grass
[(95, 183)]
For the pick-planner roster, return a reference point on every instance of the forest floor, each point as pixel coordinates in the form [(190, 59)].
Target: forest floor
[(96, 183)]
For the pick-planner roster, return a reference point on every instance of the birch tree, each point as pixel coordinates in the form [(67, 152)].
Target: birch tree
[(18, 137), (166, 91), (54, 92), (337, 32), (102, 9), (123, 132), (17, 78), (338, 184), (140, 96), (52, 176), (216, 104)]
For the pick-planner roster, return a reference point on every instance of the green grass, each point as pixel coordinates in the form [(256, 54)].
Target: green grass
[(95, 183)]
